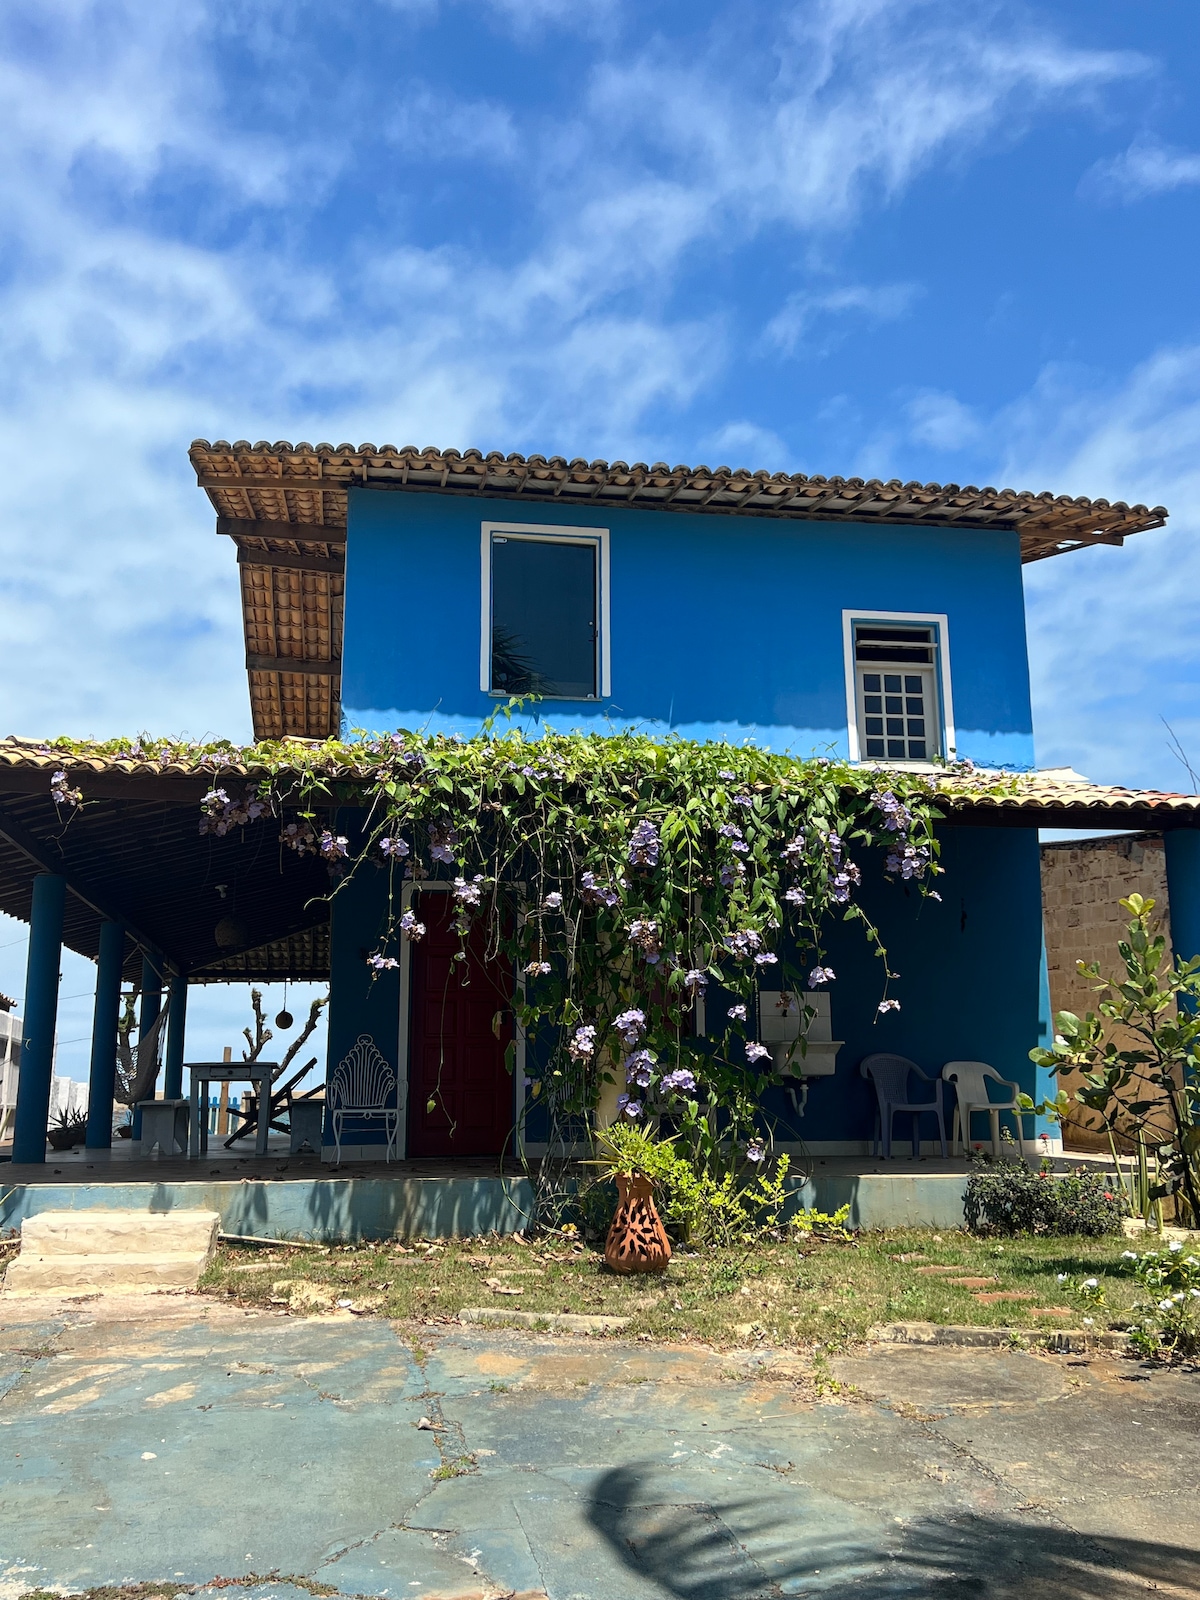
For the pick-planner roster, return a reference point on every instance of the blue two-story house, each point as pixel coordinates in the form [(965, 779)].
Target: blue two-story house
[(876, 622)]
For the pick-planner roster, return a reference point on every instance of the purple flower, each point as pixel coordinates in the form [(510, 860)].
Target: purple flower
[(729, 830), (834, 841), (820, 975), (552, 902), (695, 981), (64, 795), (743, 800), (441, 844), (756, 1151), (582, 1046), (298, 836), (381, 963), (726, 775), (910, 861), (644, 934), (630, 1026), (467, 894), (538, 969), (395, 847), (743, 944), (738, 1012), (732, 872), (888, 1005), (794, 897), (681, 1081), (333, 846), (639, 1068), (630, 1107), (793, 851), (410, 927), (740, 848), (644, 844), (596, 894), (755, 1051), (896, 817), (765, 958)]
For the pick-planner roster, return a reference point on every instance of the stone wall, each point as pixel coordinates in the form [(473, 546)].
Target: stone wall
[(1083, 881)]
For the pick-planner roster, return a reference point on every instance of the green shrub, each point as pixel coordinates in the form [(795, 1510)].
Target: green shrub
[(1008, 1198), (1168, 1323)]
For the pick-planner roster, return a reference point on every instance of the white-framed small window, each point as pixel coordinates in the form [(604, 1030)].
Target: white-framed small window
[(544, 615), (898, 697)]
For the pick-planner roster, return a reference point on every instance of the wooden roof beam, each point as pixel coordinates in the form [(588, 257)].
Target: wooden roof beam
[(17, 835)]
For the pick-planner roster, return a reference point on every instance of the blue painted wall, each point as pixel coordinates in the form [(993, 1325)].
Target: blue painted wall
[(722, 627), (970, 987)]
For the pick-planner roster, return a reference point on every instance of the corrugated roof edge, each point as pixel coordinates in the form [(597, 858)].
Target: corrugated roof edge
[(1031, 793)]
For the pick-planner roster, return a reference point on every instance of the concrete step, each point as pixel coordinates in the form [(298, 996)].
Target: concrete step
[(112, 1250), (139, 1233), (35, 1274)]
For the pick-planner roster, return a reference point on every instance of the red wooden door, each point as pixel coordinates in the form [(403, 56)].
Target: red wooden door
[(455, 1058)]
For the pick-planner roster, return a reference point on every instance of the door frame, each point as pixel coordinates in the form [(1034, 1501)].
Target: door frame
[(440, 886)]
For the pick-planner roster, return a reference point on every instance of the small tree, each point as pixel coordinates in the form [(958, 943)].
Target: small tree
[(1146, 1037)]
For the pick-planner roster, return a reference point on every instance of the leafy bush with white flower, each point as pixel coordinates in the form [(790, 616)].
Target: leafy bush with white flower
[(1168, 1320)]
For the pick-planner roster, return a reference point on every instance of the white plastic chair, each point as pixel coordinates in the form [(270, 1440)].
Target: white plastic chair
[(362, 1084), (891, 1077), (970, 1080)]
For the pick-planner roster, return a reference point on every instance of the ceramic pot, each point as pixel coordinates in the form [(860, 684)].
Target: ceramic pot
[(637, 1240)]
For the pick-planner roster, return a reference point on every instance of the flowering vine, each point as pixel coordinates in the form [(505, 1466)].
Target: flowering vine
[(624, 879)]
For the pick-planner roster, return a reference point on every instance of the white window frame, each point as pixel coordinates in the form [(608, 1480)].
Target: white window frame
[(542, 533), (440, 886), (941, 625)]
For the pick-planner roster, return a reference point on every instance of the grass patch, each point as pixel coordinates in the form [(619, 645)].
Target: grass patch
[(818, 1293)]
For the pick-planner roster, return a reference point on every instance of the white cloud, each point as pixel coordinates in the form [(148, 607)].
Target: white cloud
[(877, 303), (745, 444), (1115, 634), (1146, 168), (131, 321), (941, 421)]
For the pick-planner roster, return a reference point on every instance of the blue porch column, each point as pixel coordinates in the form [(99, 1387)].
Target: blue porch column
[(1182, 846), (177, 995), (152, 986), (103, 1072), (41, 1016)]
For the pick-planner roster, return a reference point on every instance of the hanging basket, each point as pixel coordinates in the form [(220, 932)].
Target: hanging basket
[(637, 1240)]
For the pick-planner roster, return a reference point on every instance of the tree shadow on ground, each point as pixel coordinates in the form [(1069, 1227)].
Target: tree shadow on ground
[(745, 1550)]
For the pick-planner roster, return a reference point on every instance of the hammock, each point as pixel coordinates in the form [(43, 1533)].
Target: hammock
[(137, 1068)]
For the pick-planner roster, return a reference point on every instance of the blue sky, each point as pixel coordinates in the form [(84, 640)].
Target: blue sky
[(882, 237)]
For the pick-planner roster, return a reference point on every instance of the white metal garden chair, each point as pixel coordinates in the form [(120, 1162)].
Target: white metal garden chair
[(970, 1080), (362, 1084)]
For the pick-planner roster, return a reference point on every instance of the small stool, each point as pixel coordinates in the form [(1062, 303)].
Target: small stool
[(307, 1122), (164, 1127)]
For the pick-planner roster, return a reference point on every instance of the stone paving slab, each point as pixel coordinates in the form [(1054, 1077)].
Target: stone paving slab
[(185, 1440)]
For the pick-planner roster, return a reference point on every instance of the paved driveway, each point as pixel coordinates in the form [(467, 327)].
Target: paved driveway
[(176, 1440)]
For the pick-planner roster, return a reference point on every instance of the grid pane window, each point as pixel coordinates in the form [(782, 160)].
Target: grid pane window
[(544, 629), (896, 692)]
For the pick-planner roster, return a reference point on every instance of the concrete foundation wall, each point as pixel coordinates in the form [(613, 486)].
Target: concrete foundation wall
[(342, 1210)]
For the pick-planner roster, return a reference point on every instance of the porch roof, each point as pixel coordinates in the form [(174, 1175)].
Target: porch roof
[(285, 507), (132, 852)]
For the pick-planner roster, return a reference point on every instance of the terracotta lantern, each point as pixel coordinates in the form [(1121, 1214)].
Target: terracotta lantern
[(637, 1240)]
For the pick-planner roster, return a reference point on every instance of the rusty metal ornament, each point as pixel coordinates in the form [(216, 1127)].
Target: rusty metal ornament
[(637, 1240)]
